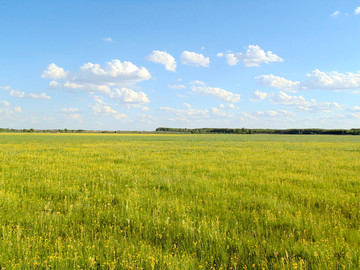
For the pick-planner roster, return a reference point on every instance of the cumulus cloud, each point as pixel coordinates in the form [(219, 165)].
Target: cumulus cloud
[(54, 72), (332, 80), (125, 95), (279, 113), (20, 94), (335, 14), (108, 39), (253, 57), (4, 103), (189, 113), (70, 110), (258, 96), (301, 103), (218, 111), (114, 73), (137, 106), (278, 82), (177, 86), (54, 84), (17, 109), (72, 114), (6, 109), (356, 115), (355, 108), (194, 59), (357, 11), (221, 94), (161, 57), (95, 78), (315, 80), (101, 108)]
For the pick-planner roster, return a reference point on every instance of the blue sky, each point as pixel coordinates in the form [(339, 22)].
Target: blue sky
[(138, 65)]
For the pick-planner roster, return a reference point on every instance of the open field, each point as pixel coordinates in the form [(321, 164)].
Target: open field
[(179, 201)]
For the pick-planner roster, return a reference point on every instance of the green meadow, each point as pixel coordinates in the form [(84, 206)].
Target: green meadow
[(154, 201)]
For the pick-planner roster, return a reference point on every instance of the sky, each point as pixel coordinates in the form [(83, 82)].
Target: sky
[(139, 65)]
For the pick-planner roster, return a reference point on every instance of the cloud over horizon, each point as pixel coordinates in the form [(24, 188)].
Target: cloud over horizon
[(221, 94), (164, 58), (95, 78), (194, 59), (315, 80), (254, 57)]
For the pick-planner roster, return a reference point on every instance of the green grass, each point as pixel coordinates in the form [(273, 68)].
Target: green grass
[(179, 201)]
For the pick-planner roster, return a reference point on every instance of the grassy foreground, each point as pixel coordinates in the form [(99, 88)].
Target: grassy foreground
[(179, 201)]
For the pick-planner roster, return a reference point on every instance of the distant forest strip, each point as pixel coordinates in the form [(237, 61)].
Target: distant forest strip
[(31, 130), (306, 131), (309, 131)]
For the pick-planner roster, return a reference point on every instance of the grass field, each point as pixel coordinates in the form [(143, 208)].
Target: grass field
[(92, 201)]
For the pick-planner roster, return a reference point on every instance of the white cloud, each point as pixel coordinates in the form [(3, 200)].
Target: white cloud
[(4, 103), (316, 80), (258, 95), (220, 54), (301, 103), (279, 113), (17, 109), (101, 108), (108, 39), (146, 118), (357, 11), (355, 108), (95, 78), (177, 86), (125, 95), (164, 58), (138, 106), (54, 84), (73, 116), (187, 114), (20, 94), (182, 96), (356, 115), (54, 72), (5, 87), (278, 82), (221, 94), (253, 57), (231, 106), (6, 109), (114, 73), (335, 14), (70, 110), (332, 80), (194, 59), (284, 99), (218, 112)]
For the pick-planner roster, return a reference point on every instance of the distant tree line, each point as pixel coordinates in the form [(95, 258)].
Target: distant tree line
[(353, 131), (65, 130), (31, 130)]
